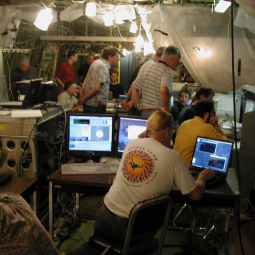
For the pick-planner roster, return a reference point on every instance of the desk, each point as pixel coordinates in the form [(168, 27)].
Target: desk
[(22, 186), (225, 195)]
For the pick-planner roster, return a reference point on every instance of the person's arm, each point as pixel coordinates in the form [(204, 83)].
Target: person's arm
[(204, 176), (135, 95), (165, 97), (215, 124), (59, 82), (92, 92)]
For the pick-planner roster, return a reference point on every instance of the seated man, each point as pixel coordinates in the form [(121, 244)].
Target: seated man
[(115, 87), (21, 231), (183, 98), (23, 72), (69, 95), (204, 93), (148, 169), (205, 124)]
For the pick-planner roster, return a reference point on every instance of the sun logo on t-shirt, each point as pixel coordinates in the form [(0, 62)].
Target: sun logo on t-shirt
[(138, 166)]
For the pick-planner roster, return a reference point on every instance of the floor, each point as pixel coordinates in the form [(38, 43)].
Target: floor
[(78, 242)]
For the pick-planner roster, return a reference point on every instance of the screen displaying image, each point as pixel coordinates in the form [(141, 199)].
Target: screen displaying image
[(90, 133), (128, 129)]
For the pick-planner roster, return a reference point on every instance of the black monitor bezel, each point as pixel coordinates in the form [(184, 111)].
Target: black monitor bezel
[(31, 94), (117, 153), (89, 154)]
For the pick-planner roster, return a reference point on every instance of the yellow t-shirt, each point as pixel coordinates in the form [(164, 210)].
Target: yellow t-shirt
[(187, 134)]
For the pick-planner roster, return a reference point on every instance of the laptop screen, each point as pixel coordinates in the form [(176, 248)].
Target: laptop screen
[(121, 98), (212, 154)]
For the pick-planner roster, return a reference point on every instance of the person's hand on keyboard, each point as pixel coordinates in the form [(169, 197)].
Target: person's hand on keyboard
[(206, 175)]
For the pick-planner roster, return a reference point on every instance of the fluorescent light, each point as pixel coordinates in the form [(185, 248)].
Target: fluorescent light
[(222, 6), (91, 9), (44, 19), (133, 27)]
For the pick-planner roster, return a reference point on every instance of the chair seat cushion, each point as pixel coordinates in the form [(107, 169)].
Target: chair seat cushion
[(100, 243)]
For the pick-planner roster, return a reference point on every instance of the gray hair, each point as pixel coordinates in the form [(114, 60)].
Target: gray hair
[(23, 59), (171, 51)]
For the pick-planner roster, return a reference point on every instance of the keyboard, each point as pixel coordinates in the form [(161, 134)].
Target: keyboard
[(90, 168)]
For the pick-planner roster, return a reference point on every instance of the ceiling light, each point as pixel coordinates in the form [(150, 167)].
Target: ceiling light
[(44, 19), (138, 47), (91, 9), (222, 6), (133, 27), (139, 40), (108, 19)]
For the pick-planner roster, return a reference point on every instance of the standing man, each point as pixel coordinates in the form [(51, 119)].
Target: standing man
[(155, 83), (65, 71), (115, 87), (95, 88), (23, 72), (83, 70)]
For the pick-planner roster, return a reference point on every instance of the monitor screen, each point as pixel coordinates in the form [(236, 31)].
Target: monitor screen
[(249, 106), (90, 135), (128, 128), (224, 104)]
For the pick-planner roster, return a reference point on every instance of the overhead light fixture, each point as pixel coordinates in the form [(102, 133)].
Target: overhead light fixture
[(222, 6), (139, 40), (91, 9), (108, 19), (133, 27), (44, 19)]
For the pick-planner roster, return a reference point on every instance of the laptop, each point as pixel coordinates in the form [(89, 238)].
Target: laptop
[(214, 155), (231, 124), (121, 98), (29, 99)]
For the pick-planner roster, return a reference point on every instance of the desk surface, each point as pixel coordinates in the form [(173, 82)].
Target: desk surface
[(228, 189), (21, 186)]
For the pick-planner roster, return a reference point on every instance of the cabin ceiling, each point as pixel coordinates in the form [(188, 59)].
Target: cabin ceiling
[(85, 26)]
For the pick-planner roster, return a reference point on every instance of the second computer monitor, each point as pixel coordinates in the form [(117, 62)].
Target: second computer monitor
[(128, 128)]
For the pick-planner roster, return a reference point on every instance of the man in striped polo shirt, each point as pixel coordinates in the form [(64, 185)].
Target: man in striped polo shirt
[(155, 82)]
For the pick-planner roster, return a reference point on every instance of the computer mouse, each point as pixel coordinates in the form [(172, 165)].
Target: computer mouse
[(90, 161)]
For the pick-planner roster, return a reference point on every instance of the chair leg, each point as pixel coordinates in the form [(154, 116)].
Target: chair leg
[(106, 250)]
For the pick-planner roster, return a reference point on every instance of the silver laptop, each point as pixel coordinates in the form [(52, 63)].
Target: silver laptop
[(214, 155), (231, 124)]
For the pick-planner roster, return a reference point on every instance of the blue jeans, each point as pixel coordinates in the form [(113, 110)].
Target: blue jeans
[(94, 109)]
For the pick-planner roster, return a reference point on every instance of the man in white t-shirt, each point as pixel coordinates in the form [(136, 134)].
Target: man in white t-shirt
[(148, 169)]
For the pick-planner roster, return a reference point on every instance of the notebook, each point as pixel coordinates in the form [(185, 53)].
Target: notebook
[(212, 154), (231, 124), (121, 98)]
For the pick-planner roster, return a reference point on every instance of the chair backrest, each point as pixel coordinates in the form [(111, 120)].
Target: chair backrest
[(149, 215)]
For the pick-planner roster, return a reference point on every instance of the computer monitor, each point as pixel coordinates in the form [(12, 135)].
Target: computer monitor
[(90, 136), (47, 92), (224, 104), (31, 93), (128, 128), (249, 106)]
